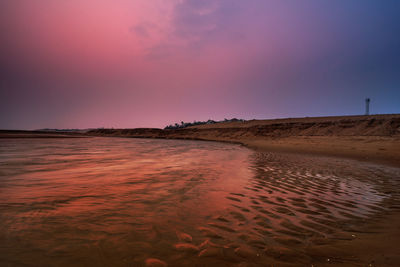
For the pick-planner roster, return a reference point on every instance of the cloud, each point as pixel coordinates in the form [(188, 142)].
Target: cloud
[(189, 57), (195, 25), (141, 30), (208, 21)]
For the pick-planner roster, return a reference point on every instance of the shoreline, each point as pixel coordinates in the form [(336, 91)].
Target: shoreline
[(375, 240), (256, 145), (317, 150), (374, 138)]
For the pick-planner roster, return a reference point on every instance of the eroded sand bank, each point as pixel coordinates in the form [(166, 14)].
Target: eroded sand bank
[(374, 138)]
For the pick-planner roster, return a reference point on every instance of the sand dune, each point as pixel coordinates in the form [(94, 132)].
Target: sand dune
[(373, 138)]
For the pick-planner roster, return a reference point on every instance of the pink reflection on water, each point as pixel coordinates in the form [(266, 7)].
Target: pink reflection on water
[(126, 200)]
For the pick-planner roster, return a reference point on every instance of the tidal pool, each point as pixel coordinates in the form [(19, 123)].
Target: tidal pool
[(132, 202)]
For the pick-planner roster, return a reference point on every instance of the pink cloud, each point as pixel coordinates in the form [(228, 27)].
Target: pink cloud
[(149, 63)]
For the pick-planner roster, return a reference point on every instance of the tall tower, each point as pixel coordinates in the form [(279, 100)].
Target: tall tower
[(367, 100)]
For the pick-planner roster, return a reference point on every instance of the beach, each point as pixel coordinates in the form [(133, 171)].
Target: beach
[(200, 133), (374, 138), (309, 191)]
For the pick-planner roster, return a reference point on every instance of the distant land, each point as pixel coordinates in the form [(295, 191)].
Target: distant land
[(373, 138)]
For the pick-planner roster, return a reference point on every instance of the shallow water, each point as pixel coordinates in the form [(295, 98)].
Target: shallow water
[(122, 202)]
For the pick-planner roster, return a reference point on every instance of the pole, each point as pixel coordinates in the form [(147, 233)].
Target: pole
[(367, 100)]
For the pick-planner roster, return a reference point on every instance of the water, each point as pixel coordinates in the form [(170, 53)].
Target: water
[(122, 202)]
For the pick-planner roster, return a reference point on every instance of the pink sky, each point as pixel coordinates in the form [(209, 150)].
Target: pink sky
[(79, 64)]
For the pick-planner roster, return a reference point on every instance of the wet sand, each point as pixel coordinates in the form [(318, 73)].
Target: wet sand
[(125, 202), (372, 139), (323, 192), (376, 243), (308, 213), (301, 211), (377, 149)]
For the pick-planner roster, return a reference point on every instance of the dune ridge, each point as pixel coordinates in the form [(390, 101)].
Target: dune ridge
[(373, 138)]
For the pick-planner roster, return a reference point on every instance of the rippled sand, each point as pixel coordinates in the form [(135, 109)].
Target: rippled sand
[(127, 202)]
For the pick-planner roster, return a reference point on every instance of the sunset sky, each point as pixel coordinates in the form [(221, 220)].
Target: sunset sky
[(149, 63)]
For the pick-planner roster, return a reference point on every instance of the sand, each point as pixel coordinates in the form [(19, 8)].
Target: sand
[(374, 138), (358, 241), (365, 138)]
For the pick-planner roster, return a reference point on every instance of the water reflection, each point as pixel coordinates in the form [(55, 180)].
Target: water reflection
[(128, 202)]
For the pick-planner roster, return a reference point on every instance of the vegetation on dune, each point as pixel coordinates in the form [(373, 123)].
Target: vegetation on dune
[(188, 124)]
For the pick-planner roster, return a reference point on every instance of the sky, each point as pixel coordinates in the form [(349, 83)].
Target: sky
[(150, 63)]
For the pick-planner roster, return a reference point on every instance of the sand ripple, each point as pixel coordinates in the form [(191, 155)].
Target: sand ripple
[(123, 202)]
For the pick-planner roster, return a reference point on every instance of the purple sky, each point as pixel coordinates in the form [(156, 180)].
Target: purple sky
[(126, 63)]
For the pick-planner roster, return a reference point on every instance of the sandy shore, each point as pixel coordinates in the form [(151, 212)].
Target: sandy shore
[(369, 138), (197, 204), (374, 138), (376, 244), (379, 149)]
